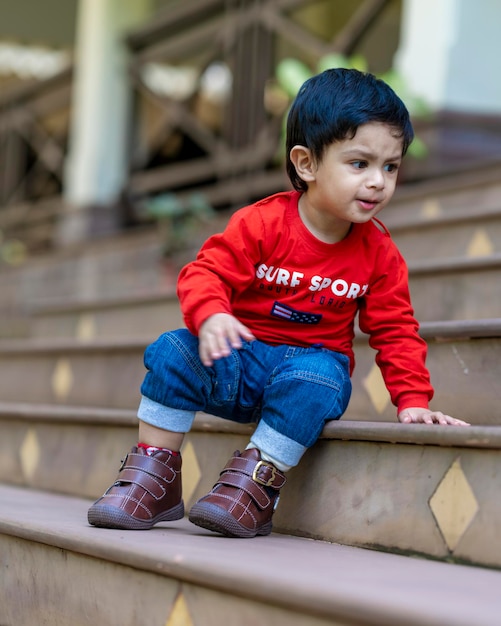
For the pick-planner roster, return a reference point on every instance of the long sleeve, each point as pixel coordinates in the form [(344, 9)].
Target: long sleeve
[(387, 316), (225, 265)]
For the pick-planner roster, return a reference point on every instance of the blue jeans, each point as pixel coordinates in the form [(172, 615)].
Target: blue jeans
[(289, 391)]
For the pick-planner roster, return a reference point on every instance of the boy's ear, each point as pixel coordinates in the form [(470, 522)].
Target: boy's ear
[(303, 161)]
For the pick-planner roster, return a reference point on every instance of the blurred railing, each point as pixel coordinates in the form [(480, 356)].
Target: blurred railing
[(34, 120), (203, 75), (206, 118)]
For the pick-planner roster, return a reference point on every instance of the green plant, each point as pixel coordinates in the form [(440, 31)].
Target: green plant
[(291, 74), (178, 220), (12, 251)]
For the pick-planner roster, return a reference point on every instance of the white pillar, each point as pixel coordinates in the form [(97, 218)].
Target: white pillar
[(450, 53), (96, 166)]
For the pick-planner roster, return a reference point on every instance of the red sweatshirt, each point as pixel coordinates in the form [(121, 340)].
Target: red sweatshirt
[(288, 287)]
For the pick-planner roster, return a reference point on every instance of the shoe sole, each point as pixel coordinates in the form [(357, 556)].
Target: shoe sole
[(105, 516), (218, 520)]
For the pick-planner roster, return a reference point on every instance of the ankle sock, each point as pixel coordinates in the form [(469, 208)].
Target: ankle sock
[(267, 457), (150, 450)]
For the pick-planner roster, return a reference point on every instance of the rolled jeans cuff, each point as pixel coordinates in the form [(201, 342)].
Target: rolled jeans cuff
[(277, 446), (164, 417)]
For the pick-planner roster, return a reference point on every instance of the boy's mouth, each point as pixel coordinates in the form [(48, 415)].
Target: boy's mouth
[(367, 205)]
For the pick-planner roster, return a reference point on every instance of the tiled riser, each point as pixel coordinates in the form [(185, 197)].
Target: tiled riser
[(427, 499), (97, 377), (462, 294), (438, 241), (67, 458), (84, 460), (35, 590), (130, 319), (442, 294), (425, 202), (465, 373)]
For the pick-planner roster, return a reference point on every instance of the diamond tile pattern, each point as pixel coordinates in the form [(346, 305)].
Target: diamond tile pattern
[(30, 454), (62, 379), (480, 244), (431, 209), (86, 328), (191, 471), (180, 615), (453, 505), (375, 387)]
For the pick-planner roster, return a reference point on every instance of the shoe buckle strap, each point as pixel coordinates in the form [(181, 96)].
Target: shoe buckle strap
[(241, 481), (148, 483), (150, 465), (268, 475)]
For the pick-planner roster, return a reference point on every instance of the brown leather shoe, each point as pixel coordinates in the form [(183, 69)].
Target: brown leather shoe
[(242, 502), (147, 491)]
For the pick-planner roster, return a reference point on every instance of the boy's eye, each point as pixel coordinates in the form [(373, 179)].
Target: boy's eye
[(359, 164), (391, 167)]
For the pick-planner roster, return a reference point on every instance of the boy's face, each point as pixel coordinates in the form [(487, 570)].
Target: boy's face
[(354, 180)]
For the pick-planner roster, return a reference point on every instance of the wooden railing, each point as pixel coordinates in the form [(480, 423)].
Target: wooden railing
[(34, 120), (226, 150)]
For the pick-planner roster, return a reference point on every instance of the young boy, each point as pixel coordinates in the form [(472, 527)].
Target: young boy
[(269, 306)]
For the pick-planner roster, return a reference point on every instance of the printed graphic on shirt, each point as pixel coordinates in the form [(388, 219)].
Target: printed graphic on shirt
[(289, 280), (286, 312)]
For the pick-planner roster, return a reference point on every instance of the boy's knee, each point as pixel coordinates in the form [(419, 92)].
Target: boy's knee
[(311, 389), (324, 369), (175, 374), (172, 349)]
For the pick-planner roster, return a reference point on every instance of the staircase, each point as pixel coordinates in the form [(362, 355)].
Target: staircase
[(371, 495)]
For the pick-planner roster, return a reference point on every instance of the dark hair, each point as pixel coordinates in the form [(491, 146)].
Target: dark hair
[(332, 105)]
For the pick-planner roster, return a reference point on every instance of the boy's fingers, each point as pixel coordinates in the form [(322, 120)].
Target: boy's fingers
[(234, 337), (212, 348), (204, 355), (439, 417), (456, 422), (430, 417), (246, 333), (448, 420), (218, 335)]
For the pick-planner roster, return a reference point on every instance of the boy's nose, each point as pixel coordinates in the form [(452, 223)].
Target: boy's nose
[(375, 179)]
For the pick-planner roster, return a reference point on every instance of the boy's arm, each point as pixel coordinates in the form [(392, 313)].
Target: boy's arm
[(387, 316), (224, 265)]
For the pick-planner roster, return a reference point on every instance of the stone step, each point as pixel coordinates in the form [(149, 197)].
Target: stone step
[(103, 372), (462, 193), (113, 317), (413, 489), (445, 235), (131, 264), (107, 267), (464, 361), (451, 216), (58, 570), (458, 288), (450, 256)]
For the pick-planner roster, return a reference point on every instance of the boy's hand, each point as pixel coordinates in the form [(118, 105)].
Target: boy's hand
[(218, 334), (417, 415)]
